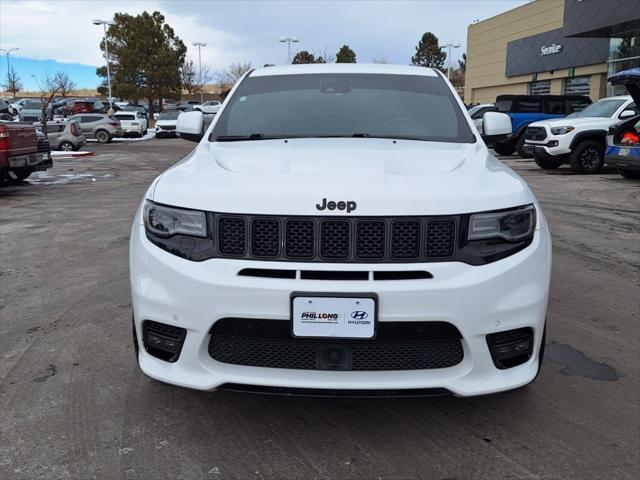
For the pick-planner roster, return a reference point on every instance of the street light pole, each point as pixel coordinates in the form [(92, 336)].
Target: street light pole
[(200, 44), (289, 40), (104, 23), (450, 46), (7, 52)]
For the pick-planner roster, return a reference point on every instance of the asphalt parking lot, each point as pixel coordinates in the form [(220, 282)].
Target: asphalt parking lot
[(73, 403)]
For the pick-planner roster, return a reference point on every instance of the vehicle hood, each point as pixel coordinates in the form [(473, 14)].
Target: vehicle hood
[(166, 123), (578, 122), (383, 177)]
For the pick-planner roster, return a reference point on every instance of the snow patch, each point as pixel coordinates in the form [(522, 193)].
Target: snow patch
[(42, 178), (79, 153), (148, 136)]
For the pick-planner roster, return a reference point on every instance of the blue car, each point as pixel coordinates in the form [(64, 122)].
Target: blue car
[(623, 140), (526, 109)]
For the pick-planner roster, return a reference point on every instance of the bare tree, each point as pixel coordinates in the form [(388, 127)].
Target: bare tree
[(62, 79), (221, 79), (380, 60), (188, 75), (203, 78), (48, 88), (323, 56), (237, 70), (12, 83)]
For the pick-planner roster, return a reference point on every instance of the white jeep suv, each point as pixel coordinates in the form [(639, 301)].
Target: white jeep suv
[(340, 229), (578, 139)]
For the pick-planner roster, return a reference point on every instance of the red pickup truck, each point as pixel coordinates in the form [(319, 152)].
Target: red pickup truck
[(22, 151)]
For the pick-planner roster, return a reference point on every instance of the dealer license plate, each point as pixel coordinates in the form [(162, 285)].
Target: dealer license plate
[(333, 317)]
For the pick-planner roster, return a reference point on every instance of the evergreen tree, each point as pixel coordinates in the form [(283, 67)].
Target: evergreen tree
[(346, 55), (146, 58), (428, 53)]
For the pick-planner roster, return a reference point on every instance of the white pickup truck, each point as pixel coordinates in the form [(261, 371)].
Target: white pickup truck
[(578, 139)]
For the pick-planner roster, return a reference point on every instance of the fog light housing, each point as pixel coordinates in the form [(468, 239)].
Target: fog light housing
[(163, 341), (511, 347)]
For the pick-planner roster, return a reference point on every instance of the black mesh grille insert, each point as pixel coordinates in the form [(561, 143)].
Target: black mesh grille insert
[(299, 239), (440, 238), (370, 239), (265, 237), (343, 239), (535, 133), (335, 239), (232, 235), (405, 239), (366, 356), (398, 346)]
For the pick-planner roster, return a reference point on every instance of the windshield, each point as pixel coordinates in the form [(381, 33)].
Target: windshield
[(602, 108), (343, 105), (32, 106), (168, 115)]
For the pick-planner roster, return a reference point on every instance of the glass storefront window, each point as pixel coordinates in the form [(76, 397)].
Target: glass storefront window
[(577, 86), (541, 87), (624, 53)]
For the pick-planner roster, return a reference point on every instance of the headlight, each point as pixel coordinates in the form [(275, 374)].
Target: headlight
[(164, 221), (562, 130), (511, 225)]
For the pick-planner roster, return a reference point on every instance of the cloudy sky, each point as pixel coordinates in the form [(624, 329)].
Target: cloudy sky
[(58, 34)]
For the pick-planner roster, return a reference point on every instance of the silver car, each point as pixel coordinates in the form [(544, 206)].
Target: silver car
[(32, 111), (96, 125), (64, 136)]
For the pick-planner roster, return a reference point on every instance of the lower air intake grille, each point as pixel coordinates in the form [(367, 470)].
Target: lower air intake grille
[(398, 346)]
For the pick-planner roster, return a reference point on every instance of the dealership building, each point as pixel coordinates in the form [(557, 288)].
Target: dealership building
[(552, 47)]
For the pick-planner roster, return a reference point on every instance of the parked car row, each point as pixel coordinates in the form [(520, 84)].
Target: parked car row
[(606, 132), (569, 129)]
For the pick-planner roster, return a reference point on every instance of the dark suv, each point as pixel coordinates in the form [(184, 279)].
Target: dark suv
[(526, 109)]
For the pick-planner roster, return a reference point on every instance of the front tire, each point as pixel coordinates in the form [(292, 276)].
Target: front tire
[(587, 157), (504, 148), (103, 136), (630, 174), (547, 164), (520, 148)]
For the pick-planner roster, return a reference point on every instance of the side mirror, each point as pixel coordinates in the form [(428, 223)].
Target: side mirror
[(190, 126), (495, 126), (627, 114)]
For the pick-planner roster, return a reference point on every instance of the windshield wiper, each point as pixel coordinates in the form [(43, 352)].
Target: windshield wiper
[(240, 138)]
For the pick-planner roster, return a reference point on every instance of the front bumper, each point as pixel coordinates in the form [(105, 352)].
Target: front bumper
[(478, 300), (550, 148), (165, 133)]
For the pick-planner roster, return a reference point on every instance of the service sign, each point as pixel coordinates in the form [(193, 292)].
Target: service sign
[(333, 317)]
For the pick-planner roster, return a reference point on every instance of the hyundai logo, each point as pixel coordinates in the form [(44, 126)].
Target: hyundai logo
[(359, 315)]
